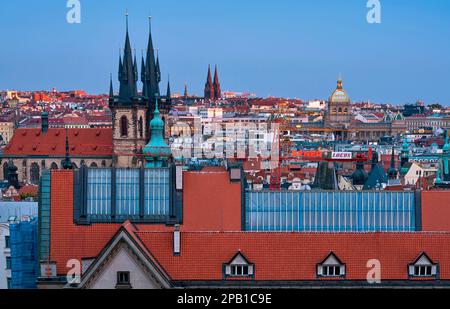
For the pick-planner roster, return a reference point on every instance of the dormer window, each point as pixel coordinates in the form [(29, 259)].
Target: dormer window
[(331, 267), (423, 267), (239, 266)]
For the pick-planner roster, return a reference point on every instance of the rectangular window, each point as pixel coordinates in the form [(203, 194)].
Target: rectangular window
[(8, 262), (331, 271), (7, 242), (422, 271), (9, 283), (123, 278), (239, 271)]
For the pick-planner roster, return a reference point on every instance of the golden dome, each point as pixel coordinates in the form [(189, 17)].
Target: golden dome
[(339, 95)]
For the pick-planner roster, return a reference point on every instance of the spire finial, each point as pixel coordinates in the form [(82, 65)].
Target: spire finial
[(126, 18), (150, 23)]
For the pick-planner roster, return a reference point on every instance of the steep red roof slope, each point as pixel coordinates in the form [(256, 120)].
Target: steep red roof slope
[(83, 142)]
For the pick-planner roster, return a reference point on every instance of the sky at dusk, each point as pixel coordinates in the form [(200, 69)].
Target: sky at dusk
[(285, 48)]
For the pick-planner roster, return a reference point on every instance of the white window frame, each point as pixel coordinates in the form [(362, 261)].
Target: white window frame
[(239, 267), (423, 267), (334, 269)]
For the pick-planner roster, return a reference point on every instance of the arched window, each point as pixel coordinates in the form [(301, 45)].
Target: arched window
[(141, 127), (103, 163), (5, 171), (340, 109), (54, 166), (43, 164), (94, 165), (124, 126), (34, 173)]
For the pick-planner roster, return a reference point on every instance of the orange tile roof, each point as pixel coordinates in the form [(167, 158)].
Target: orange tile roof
[(294, 256), (277, 256), (83, 142)]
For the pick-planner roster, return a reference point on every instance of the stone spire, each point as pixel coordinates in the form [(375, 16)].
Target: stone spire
[(209, 86), (111, 89), (168, 95), (186, 94), (217, 90), (128, 72), (158, 69), (152, 83), (157, 152), (144, 78)]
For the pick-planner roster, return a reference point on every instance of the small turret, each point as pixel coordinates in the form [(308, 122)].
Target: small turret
[(157, 152), (66, 163), (13, 177), (392, 171)]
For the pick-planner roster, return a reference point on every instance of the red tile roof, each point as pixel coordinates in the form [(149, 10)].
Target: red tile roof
[(277, 256), (83, 142), (294, 256)]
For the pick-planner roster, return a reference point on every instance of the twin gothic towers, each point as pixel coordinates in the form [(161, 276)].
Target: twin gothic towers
[(131, 110)]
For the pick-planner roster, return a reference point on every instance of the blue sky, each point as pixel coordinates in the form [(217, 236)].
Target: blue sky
[(286, 48)]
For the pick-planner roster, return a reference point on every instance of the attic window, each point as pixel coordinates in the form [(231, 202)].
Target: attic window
[(331, 267), (423, 267), (239, 267)]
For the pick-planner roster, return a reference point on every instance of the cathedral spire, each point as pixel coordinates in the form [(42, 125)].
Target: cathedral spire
[(111, 90), (151, 71), (168, 95), (209, 87), (144, 77), (127, 76), (217, 90), (186, 94), (158, 69)]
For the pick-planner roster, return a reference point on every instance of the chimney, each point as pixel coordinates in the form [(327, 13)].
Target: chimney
[(176, 241)]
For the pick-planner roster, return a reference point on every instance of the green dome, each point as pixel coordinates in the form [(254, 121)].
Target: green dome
[(157, 151)]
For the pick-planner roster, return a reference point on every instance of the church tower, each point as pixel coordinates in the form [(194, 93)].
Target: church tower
[(129, 111), (217, 90), (209, 86)]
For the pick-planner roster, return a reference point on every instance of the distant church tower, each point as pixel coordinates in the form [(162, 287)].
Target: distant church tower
[(212, 88), (217, 90), (131, 112), (209, 87)]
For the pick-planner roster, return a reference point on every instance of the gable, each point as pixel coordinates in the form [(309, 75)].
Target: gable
[(123, 260), (424, 260), (331, 260), (125, 253), (239, 260)]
